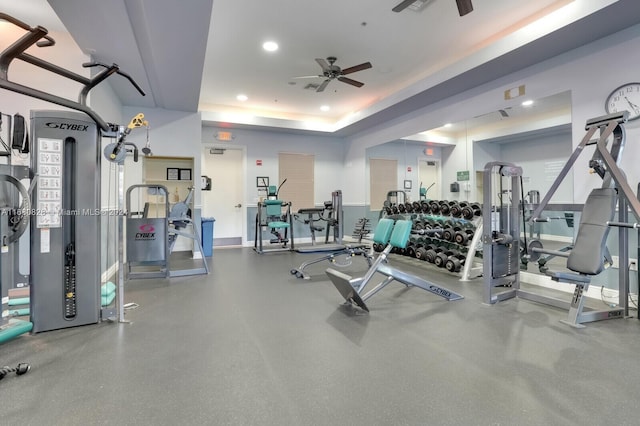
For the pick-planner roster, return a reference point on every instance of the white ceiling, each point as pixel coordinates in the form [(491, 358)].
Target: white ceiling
[(197, 55)]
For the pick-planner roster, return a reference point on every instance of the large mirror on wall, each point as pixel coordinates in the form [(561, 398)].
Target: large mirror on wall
[(447, 162)]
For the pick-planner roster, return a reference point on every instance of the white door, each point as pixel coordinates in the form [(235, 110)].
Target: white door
[(224, 202), (430, 177)]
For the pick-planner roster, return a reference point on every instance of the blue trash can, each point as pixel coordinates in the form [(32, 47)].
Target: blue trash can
[(207, 235)]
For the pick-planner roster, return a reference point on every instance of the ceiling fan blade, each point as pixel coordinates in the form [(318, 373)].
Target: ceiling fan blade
[(403, 5), (323, 63), (309, 76), (323, 85), (360, 67), (464, 7), (350, 81)]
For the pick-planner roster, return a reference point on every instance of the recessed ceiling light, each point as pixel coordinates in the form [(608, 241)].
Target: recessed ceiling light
[(448, 125), (325, 108), (270, 46), (527, 103), (242, 97)]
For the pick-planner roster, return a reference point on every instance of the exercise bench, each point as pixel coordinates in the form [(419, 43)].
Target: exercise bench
[(389, 235)]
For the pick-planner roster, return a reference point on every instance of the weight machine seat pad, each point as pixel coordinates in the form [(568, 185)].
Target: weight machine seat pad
[(588, 254), (383, 230), (278, 224), (401, 233), (569, 277), (315, 210)]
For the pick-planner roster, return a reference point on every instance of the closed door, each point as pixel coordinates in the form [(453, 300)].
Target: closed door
[(430, 178), (224, 202)]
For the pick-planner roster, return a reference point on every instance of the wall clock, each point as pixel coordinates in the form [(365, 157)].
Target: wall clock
[(625, 97)]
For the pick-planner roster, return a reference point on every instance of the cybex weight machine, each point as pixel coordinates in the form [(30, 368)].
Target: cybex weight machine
[(65, 207), (589, 255)]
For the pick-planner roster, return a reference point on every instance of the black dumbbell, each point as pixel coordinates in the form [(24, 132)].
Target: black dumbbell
[(454, 263), (434, 207), (473, 209), (431, 252), (456, 209), (463, 236), (443, 256), (444, 207), (417, 207)]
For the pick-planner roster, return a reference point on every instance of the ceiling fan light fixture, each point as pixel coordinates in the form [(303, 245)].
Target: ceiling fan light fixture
[(325, 108), (270, 46), (527, 103)]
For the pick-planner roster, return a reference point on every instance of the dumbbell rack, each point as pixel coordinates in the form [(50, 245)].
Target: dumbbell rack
[(444, 233)]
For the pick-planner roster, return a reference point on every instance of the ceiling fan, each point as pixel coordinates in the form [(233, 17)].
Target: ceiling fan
[(331, 72), (464, 6)]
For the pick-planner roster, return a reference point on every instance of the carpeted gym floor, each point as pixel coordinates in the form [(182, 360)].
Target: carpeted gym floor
[(250, 344)]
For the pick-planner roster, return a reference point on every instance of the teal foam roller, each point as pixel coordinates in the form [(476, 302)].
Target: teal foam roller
[(19, 301), (14, 329)]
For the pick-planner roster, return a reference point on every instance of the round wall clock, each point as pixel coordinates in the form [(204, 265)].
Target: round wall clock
[(625, 97)]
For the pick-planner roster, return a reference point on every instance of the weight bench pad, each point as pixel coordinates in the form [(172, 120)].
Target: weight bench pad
[(401, 233), (588, 253), (383, 231)]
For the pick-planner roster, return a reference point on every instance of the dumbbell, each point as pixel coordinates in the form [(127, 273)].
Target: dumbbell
[(434, 207), (471, 210), (455, 262), (463, 236), (417, 207), (443, 256), (431, 252), (449, 230), (414, 246), (456, 209), (444, 207), (378, 247), (417, 225)]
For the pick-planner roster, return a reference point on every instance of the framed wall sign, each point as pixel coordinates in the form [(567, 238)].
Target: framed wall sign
[(173, 173), (185, 174)]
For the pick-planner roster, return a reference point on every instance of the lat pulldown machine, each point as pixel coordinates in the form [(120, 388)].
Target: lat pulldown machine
[(65, 235)]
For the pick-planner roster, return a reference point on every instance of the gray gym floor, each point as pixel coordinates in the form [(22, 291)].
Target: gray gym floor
[(250, 344)]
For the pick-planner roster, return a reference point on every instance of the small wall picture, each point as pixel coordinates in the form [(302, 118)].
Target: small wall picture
[(185, 174), (407, 184), (173, 173)]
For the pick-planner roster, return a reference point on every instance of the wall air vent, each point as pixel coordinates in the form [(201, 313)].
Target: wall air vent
[(217, 151)]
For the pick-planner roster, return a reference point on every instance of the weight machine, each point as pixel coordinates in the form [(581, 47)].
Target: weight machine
[(275, 215), (589, 255), (152, 235), (333, 252), (14, 222), (331, 214), (65, 232)]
